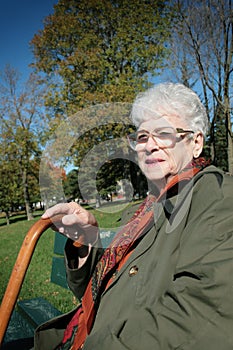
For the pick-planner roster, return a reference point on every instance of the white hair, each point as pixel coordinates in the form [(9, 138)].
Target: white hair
[(169, 99)]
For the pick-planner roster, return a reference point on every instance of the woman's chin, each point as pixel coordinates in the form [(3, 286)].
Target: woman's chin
[(156, 177)]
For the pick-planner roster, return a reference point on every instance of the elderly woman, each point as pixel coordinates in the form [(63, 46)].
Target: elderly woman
[(166, 280)]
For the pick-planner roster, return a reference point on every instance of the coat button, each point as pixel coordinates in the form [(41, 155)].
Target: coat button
[(114, 274), (133, 271)]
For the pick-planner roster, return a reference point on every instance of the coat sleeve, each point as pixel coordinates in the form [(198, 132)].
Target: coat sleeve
[(78, 278), (196, 310)]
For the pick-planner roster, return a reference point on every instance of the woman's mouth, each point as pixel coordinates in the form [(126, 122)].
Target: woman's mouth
[(153, 161)]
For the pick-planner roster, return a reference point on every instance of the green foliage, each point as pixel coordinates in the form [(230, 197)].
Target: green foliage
[(51, 177), (71, 187), (11, 194), (10, 191), (111, 172), (101, 50), (107, 160)]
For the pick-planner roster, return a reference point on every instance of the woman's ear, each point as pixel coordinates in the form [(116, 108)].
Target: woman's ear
[(198, 142)]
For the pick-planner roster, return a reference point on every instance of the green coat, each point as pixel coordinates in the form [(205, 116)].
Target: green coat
[(176, 289)]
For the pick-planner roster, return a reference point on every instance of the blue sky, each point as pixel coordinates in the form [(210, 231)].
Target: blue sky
[(19, 21)]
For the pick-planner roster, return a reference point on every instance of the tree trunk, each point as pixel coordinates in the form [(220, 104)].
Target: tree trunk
[(7, 217), (26, 196)]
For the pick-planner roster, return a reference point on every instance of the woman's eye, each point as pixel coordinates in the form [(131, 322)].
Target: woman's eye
[(142, 137), (164, 133)]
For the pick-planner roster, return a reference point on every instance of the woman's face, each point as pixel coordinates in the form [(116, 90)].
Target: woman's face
[(161, 164)]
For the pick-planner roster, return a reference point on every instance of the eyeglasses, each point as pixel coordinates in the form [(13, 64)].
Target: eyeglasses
[(164, 137)]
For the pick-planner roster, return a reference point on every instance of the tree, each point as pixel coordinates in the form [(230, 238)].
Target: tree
[(34, 185), (71, 187), (10, 191), (101, 51), (203, 55), (21, 120), (51, 178)]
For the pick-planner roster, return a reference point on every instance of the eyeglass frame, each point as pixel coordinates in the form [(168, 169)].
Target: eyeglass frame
[(150, 134)]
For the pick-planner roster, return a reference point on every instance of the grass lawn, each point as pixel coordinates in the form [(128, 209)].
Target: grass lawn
[(37, 282)]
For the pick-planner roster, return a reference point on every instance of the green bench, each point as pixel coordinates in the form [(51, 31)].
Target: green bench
[(28, 314)]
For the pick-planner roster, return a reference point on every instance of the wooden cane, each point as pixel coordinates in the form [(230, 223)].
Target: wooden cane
[(20, 269)]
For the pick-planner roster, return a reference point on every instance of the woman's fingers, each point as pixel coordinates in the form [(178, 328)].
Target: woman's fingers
[(61, 208), (76, 221)]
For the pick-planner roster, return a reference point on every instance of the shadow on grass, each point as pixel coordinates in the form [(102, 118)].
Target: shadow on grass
[(18, 218)]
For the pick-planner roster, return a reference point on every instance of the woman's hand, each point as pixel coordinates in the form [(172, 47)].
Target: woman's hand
[(76, 224)]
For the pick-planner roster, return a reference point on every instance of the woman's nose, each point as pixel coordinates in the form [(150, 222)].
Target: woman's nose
[(151, 144)]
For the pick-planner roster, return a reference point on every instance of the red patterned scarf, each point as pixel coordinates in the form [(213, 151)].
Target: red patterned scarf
[(81, 324)]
